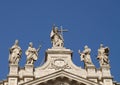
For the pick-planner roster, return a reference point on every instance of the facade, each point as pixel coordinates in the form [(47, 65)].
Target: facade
[(58, 68)]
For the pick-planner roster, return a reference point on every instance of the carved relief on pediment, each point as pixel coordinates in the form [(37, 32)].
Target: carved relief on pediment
[(61, 83), (58, 64)]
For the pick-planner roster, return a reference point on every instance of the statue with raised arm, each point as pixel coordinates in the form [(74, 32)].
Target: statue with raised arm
[(103, 53), (15, 53), (32, 54), (56, 37), (85, 55)]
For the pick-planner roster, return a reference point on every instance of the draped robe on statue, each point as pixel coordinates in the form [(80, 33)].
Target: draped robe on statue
[(56, 38), (15, 54)]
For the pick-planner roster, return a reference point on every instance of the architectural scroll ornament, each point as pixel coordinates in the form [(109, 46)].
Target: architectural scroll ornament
[(85, 55), (15, 53), (103, 53), (59, 64)]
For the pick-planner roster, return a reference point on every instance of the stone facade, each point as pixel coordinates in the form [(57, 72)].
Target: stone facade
[(58, 69)]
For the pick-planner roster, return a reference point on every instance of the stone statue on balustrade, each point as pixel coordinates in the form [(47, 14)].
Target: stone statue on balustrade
[(15, 53), (103, 53), (56, 37), (32, 54), (85, 56)]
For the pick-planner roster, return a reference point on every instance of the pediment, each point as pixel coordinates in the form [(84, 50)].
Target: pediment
[(61, 78)]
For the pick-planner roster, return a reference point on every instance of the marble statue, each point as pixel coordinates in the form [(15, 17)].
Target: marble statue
[(56, 37), (15, 53), (103, 53), (32, 53), (85, 55)]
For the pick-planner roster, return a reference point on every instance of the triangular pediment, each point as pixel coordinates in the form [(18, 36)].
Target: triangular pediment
[(61, 78)]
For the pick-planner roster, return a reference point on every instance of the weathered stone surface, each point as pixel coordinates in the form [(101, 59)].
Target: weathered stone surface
[(58, 69)]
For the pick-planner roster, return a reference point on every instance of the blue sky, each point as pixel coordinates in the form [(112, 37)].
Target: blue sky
[(90, 22)]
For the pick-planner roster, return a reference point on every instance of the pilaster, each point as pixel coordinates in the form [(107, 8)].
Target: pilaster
[(13, 74), (29, 72), (91, 72), (106, 75)]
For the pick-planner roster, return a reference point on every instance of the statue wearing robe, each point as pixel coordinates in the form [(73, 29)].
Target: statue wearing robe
[(56, 38), (103, 53), (15, 53), (85, 55), (32, 54)]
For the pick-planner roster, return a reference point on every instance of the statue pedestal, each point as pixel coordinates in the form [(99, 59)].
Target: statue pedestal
[(13, 74), (13, 69), (29, 71), (58, 58), (106, 75), (105, 71), (91, 72), (58, 53)]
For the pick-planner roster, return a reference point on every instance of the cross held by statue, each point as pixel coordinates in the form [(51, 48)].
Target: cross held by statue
[(62, 30)]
